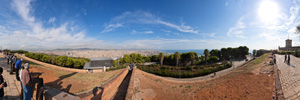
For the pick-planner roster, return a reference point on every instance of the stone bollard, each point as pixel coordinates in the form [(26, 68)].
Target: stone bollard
[(104, 69)]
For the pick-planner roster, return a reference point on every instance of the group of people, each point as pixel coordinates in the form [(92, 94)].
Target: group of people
[(22, 74), (287, 59)]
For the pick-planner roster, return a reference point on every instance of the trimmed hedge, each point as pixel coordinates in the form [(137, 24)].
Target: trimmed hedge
[(70, 62), (297, 53), (187, 71)]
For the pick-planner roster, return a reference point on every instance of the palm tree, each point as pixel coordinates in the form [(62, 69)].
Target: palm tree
[(177, 56), (206, 53), (161, 58), (192, 57)]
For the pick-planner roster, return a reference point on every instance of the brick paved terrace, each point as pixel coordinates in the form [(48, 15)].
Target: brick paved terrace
[(13, 89), (289, 77)]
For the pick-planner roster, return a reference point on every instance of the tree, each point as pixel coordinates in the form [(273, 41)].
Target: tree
[(254, 53), (133, 57), (206, 53), (140, 59), (177, 56), (298, 29), (215, 52), (127, 59), (161, 58), (224, 53), (69, 62), (192, 57)]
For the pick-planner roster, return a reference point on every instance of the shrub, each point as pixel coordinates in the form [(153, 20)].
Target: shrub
[(63, 61), (297, 53), (202, 70), (69, 62)]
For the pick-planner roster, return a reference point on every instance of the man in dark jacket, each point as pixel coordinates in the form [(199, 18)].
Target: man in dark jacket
[(285, 58), (2, 84), (18, 66)]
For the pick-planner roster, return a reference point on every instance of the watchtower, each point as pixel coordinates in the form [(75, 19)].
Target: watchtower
[(288, 43)]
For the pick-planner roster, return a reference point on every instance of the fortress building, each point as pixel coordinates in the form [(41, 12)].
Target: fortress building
[(288, 46)]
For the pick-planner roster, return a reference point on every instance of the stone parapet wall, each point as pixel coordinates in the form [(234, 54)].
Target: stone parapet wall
[(107, 90), (130, 90)]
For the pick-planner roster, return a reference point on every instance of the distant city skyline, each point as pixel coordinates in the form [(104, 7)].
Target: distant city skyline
[(151, 25)]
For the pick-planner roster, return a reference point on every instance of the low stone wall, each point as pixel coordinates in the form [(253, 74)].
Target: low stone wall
[(56, 67), (107, 90), (130, 90)]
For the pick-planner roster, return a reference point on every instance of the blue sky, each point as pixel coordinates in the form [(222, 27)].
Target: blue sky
[(151, 24)]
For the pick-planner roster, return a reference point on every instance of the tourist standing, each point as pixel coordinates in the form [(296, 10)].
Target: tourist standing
[(26, 82), (289, 59), (18, 65), (13, 62), (274, 58), (8, 56), (2, 84), (285, 58)]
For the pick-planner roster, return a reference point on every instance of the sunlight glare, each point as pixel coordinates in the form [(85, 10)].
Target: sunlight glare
[(268, 11)]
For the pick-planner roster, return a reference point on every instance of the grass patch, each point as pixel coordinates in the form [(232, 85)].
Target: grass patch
[(158, 80), (201, 87), (29, 62), (180, 86), (188, 86), (254, 63), (174, 87), (259, 60)]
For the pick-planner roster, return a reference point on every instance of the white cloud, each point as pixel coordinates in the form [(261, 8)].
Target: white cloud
[(237, 30), (226, 3), (208, 34), (22, 7), (32, 34), (144, 32), (168, 31), (111, 27), (84, 11), (141, 17), (52, 19), (182, 28), (176, 33), (284, 25), (270, 36)]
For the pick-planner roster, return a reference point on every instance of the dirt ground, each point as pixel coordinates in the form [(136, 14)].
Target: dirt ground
[(254, 81), (71, 82)]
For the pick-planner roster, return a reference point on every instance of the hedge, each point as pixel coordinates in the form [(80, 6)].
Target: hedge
[(70, 62), (168, 72)]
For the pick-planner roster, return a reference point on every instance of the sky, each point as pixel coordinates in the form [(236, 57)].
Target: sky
[(147, 24)]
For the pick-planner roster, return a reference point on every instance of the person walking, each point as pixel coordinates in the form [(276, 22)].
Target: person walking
[(284, 58), (18, 65), (26, 82)]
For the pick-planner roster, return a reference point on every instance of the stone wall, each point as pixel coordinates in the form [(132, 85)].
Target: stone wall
[(107, 90), (130, 90)]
